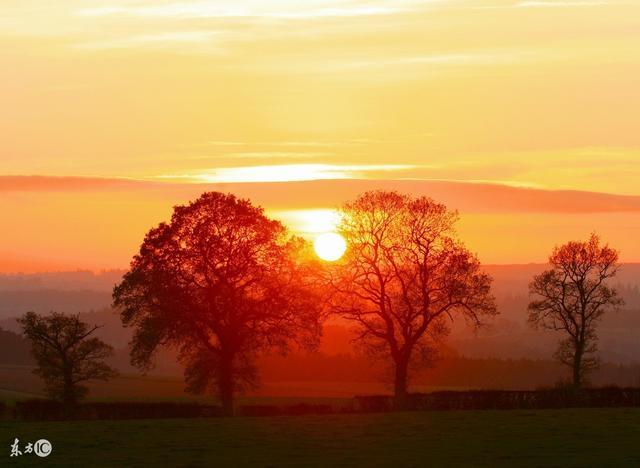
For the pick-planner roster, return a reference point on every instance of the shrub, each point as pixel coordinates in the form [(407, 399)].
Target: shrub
[(375, 403), (142, 410), (48, 410), (305, 408), (291, 410), (560, 397), (259, 410), (39, 410)]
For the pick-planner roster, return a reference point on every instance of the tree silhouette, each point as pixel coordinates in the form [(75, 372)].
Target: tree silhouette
[(221, 282), (66, 354), (404, 276), (572, 296)]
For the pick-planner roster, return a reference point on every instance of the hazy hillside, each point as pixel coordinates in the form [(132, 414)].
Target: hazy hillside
[(507, 336), (510, 336), (74, 291), (14, 303), (508, 278), (14, 349), (62, 281)]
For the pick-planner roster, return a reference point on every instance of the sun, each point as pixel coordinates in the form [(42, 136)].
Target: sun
[(330, 246)]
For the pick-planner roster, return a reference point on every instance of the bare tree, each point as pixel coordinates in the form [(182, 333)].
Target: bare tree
[(221, 282), (405, 276), (66, 354), (572, 296)]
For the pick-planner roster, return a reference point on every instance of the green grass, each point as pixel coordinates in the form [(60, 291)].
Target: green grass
[(584, 437)]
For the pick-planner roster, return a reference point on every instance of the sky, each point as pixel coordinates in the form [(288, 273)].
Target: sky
[(123, 109)]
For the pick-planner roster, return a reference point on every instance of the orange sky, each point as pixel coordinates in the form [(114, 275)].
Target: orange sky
[(524, 94)]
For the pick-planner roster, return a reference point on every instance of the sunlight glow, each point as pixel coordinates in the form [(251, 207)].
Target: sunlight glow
[(309, 222), (330, 246)]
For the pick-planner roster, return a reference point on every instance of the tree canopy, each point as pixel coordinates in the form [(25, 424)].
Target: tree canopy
[(66, 354), (405, 276), (221, 282), (572, 296)]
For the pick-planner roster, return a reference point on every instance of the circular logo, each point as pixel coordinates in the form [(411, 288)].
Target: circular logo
[(43, 448)]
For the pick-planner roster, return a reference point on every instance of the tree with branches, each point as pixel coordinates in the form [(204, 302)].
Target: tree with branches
[(220, 283), (571, 297), (405, 276), (66, 353)]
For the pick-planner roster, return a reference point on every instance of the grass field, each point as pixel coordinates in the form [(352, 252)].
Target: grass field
[(586, 437)]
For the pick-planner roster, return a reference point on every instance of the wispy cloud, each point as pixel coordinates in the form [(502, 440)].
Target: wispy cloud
[(451, 59), (153, 40), (290, 144), (468, 196), (270, 155), (547, 4), (243, 9), (384, 66), (275, 155), (560, 3), (287, 173)]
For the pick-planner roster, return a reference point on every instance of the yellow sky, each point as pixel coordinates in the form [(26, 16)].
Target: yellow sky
[(539, 94)]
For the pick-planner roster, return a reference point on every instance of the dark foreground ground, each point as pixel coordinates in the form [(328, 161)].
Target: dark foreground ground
[(576, 437)]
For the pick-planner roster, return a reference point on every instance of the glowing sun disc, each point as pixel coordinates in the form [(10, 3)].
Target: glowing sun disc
[(330, 246)]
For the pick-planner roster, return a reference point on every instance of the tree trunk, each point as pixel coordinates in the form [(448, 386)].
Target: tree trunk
[(400, 384), (577, 369), (225, 384), (68, 395)]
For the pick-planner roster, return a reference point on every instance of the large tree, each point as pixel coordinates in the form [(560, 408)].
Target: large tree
[(221, 282), (404, 276), (66, 354), (572, 296)]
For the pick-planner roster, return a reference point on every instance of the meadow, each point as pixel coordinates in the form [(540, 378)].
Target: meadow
[(585, 437)]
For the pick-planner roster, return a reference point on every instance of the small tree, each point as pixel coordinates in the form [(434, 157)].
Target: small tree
[(221, 282), (66, 354), (404, 276), (571, 297)]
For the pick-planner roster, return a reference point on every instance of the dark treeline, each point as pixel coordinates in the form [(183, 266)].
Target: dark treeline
[(556, 398)]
